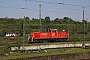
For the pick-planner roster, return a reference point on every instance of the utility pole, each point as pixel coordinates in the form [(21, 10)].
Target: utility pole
[(23, 41), (83, 45), (26, 4), (68, 32), (40, 16), (24, 29)]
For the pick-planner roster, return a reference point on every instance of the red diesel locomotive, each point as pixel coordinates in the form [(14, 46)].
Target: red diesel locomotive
[(51, 35)]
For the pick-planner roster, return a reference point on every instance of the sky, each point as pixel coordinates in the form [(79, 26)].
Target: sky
[(30, 8)]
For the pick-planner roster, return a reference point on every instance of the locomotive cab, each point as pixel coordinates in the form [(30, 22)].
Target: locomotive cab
[(52, 30)]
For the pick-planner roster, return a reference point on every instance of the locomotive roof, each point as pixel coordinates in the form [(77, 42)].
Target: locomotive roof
[(53, 29)]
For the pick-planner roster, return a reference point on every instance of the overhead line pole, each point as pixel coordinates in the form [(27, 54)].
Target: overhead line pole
[(83, 29), (26, 4), (40, 16), (23, 33), (24, 29)]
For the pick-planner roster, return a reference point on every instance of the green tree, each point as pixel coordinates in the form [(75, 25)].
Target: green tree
[(47, 23), (58, 21)]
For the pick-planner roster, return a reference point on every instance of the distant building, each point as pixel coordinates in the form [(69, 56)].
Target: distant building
[(10, 34)]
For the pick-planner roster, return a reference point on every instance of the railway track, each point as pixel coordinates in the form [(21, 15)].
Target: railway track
[(72, 56), (5, 42)]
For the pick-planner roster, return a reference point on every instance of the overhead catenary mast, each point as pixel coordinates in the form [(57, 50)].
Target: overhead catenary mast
[(26, 4), (40, 16), (83, 45), (24, 29)]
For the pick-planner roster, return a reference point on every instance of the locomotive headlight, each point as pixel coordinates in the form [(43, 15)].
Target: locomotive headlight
[(63, 30)]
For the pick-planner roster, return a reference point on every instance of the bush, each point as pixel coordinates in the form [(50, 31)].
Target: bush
[(2, 54), (11, 45), (1, 35)]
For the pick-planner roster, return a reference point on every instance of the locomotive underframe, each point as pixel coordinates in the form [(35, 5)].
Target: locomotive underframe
[(48, 39)]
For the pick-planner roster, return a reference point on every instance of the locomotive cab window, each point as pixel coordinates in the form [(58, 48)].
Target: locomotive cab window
[(53, 30)]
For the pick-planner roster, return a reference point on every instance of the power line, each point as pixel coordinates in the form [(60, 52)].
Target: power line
[(42, 10), (19, 8), (42, 2), (46, 2), (75, 5), (9, 4), (62, 3), (10, 7), (38, 10), (16, 7)]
